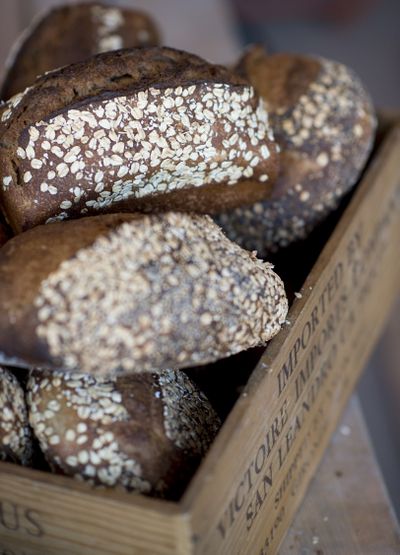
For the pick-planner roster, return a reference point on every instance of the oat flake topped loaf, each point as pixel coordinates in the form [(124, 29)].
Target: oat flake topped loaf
[(71, 33), (133, 293), (15, 434), (144, 433), (143, 129), (324, 122)]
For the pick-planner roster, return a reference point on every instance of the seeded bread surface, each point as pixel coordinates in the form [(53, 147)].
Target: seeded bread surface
[(145, 433), (324, 122), (15, 434), (133, 293), (143, 129), (72, 33)]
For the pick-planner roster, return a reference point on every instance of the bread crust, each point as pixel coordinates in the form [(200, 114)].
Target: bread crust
[(70, 34), (145, 433), (15, 434), (128, 293), (134, 130), (324, 122)]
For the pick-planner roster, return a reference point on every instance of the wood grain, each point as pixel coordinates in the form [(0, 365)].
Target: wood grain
[(41, 514), (364, 250), (347, 508)]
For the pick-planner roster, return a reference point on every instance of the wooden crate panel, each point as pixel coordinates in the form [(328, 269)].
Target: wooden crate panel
[(261, 463), (42, 514)]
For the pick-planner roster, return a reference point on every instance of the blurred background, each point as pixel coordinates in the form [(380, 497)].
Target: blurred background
[(363, 34)]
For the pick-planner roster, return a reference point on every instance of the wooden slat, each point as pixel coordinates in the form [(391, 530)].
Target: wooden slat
[(346, 509), (249, 487), (42, 514)]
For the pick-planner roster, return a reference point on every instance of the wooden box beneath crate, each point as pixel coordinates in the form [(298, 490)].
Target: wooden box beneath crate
[(246, 491)]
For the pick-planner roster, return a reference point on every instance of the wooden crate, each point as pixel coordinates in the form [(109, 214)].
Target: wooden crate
[(248, 488)]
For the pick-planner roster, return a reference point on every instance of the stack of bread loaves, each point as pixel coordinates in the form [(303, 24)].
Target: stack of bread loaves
[(116, 278)]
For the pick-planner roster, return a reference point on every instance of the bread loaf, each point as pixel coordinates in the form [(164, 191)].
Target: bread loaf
[(324, 122), (4, 231), (72, 33), (15, 434), (133, 293), (143, 129), (144, 433)]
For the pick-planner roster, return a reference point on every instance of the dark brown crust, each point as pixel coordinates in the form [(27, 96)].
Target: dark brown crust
[(107, 76), (5, 231), (282, 80), (190, 202), (15, 434), (113, 74), (164, 291), (324, 122), (161, 465), (69, 34), (24, 262)]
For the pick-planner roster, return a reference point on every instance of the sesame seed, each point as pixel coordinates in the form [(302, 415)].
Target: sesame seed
[(304, 196), (27, 177), (30, 153), (36, 164), (83, 457), (323, 159), (62, 169), (54, 440), (70, 435), (7, 181)]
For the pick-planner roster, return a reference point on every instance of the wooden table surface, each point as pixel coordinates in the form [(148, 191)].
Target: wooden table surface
[(347, 510)]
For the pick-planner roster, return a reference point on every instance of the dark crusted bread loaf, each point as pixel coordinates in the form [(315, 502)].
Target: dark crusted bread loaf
[(144, 433), (142, 129), (324, 122), (15, 434), (72, 33), (5, 232), (133, 293)]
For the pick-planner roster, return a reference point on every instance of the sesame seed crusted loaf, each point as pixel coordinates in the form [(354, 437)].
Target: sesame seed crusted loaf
[(71, 33), (324, 122), (144, 433), (133, 293), (15, 434), (142, 129)]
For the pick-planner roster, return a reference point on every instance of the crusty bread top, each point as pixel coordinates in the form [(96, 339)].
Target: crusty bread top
[(105, 76), (28, 258), (24, 262), (144, 432), (123, 127), (15, 434), (316, 105), (324, 121), (126, 293), (72, 33), (281, 79)]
